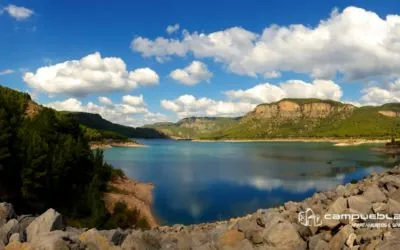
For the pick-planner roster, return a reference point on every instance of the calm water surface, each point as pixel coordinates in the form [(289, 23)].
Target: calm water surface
[(207, 181)]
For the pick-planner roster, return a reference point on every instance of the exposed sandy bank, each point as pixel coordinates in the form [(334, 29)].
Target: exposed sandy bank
[(135, 194), (105, 145)]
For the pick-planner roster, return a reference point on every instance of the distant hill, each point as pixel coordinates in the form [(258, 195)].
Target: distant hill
[(95, 121), (193, 127), (294, 118)]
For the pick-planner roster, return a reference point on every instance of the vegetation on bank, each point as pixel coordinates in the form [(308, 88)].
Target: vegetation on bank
[(46, 161)]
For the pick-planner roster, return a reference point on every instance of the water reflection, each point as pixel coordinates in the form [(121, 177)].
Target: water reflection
[(198, 182)]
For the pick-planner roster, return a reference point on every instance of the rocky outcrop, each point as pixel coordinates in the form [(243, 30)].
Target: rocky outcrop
[(274, 228), (389, 113), (291, 110)]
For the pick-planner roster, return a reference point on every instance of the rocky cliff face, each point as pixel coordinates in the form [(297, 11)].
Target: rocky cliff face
[(290, 110), (274, 228)]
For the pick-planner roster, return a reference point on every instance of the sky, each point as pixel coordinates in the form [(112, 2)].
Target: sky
[(140, 62)]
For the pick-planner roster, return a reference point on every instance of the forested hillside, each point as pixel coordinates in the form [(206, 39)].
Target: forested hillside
[(95, 121), (45, 161)]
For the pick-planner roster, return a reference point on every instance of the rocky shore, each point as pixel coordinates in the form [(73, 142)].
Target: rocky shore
[(274, 228)]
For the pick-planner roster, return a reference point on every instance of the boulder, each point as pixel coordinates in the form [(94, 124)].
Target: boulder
[(116, 236), (339, 206), (96, 240), (15, 237), (389, 244), (281, 233), (47, 222), (140, 240), (8, 229), (393, 206), (374, 194), (359, 204), (19, 246), (322, 245), (351, 240), (54, 240), (338, 240), (230, 238), (6, 211), (380, 207)]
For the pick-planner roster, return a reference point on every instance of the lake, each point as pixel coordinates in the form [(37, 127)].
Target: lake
[(207, 181)]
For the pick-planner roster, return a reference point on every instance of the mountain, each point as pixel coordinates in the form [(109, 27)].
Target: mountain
[(295, 118), (96, 122), (193, 127)]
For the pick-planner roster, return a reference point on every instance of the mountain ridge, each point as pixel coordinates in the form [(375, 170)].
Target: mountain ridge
[(291, 117)]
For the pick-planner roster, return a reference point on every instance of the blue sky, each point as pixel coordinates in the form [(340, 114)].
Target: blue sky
[(221, 58)]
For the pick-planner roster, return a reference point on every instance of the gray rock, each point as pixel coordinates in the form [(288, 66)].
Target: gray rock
[(291, 206), (338, 240), (322, 245), (359, 204), (116, 236), (51, 241), (390, 244), (390, 181), (136, 241), (95, 240), (374, 194), (313, 240), (280, 233), (393, 206), (6, 211), (337, 207), (380, 207), (8, 229), (15, 237), (351, 240), (47, 222)]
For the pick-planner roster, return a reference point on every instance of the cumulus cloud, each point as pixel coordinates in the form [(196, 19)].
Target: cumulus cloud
[(129, 113), (192, 74), (17, 12), (134, 100), (272, 74), (105, 100), (375, 95), (355, 42), (172, 28), (188, 105), (90, 74), (6, 72), (266, 92)]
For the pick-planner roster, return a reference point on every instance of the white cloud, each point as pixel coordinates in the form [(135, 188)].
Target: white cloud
[(105, 100), (6, 72), (172, 28), (266, 92), (126, 113), (134, 100), (192, 74), (19, 13), (379, 95), (272, 74), (144, 76), (354, 42), (188, 105), (90, 74)]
